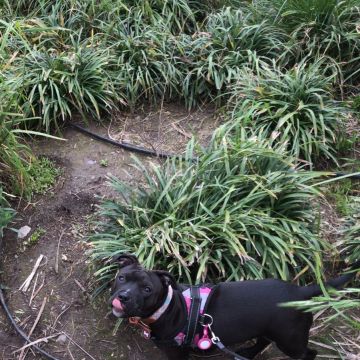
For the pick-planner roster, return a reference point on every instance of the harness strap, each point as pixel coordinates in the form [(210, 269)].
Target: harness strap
[(193, 315)]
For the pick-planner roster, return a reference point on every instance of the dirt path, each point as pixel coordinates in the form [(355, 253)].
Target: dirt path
[(67, 210)]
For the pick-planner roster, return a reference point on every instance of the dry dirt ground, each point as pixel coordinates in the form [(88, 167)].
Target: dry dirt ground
[(65, 215)]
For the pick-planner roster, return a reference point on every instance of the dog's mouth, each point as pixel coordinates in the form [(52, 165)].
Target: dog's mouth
[(118, 308)]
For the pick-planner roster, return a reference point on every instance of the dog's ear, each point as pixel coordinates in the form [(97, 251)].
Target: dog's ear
[(166, 278), (125, 260)]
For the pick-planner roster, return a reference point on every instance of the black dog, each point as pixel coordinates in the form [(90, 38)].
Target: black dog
[(240, 311)]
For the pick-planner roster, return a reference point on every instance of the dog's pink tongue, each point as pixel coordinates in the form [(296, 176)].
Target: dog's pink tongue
[(117, 304)]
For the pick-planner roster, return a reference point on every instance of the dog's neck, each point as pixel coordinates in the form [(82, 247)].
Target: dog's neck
[(173, 319), (160, 310)]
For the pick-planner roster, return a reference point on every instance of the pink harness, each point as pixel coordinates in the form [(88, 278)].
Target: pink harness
[(204, 342)]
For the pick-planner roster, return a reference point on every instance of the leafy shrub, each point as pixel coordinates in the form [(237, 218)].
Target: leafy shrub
[(53, 84), (20, 172), (349, 244), (14, 154), (144, 62), (227, 43), (239, 211), (85, 14), (295, 107), (319, 27)]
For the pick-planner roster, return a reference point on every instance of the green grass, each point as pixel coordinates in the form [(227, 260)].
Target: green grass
[(6, 213), (349, 243), (43, 174), (295, 107), (239, 212), (52, 85), (14, 156), (217, 54), (318, 28), (341, 303), (34, 238), (144, 62)]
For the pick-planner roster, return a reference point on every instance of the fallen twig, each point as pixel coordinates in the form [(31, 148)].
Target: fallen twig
[(75, 343), (33, 296), (57, 252), (62, 313), (36, 342), (181, 131), (79, 285), (25, 285), (32, 293), (23, 354)]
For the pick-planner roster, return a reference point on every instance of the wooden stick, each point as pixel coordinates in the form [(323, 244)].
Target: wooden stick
[(25, 285), (62, 313), (32, 293), (23, 354), (36, 342), (75, 343), (57, 253), (38, 290), (79, 285)]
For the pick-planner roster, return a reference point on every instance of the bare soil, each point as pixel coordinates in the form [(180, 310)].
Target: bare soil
[(65, 213)]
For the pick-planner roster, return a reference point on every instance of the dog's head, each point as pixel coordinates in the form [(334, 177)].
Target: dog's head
[(138, 292)]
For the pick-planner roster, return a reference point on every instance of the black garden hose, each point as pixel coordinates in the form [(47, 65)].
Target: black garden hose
[(19, 331), (124, 145), (144, 151)]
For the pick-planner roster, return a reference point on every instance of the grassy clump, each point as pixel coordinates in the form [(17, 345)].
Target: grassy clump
[(53, 85), (349, 244), (227, 42), (14, 154), (239, 211), (6, 213), (295, 107), (189, 50), (43, 173), (145, 62), (318, 28)]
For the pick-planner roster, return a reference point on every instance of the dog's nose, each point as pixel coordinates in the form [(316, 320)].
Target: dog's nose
[(123, 297)]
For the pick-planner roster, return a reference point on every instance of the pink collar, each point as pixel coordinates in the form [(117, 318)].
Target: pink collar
[(155, 316)]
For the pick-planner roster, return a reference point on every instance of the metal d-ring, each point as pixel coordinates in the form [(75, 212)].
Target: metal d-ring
[(203, 321)]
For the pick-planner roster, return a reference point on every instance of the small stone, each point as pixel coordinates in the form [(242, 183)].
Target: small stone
[(23, 231), (64, 257), (61, 339)]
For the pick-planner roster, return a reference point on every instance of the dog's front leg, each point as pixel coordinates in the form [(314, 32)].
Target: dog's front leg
[(175, 353)]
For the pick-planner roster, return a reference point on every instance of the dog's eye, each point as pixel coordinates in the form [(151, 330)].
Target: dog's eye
[(147, 289), (121, 278)]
